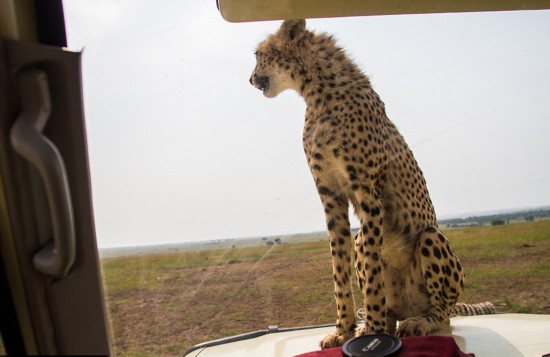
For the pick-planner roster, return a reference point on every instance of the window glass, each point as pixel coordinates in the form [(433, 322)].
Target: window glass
[(208, 220)]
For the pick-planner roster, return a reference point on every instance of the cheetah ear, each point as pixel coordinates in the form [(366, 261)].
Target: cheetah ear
[(293, 29)]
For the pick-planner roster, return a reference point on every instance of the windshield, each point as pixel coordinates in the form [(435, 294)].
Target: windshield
[(208, 220)]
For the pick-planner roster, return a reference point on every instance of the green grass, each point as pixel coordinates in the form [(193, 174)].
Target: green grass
[(508, 265), (162, 304)]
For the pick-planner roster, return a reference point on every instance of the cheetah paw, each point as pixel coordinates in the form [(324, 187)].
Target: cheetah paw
[(412, 327), (334, 340), (364, 330)]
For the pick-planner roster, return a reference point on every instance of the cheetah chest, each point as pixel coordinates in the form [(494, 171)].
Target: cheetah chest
[(406, 293)]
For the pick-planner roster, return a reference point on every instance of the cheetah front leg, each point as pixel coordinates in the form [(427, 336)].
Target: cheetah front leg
[(443, 279), (338, 227), (368, 262)]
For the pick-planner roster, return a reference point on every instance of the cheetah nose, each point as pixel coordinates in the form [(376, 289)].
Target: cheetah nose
[(262, 82), (259, 82)]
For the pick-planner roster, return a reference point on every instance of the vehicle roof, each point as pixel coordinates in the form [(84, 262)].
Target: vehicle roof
[(485, 335)]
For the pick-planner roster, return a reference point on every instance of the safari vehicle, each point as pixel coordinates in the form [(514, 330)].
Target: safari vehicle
[(484, 335), (52, 298)]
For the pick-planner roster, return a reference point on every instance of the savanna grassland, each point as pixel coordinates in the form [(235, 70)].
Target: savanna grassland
[(163, 304)]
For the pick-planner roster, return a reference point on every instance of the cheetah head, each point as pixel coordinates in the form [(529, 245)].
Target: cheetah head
[(278, 59)]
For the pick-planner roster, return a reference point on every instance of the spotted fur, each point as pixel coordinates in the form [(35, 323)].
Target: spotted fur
[(404, 265), (482, 308)]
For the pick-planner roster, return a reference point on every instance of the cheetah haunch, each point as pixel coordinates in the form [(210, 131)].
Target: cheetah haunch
[(404, 265)]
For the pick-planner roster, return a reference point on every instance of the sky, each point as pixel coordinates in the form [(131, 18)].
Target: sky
[(182, 148)]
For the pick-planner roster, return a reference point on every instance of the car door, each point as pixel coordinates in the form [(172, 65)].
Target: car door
[(52, 298)]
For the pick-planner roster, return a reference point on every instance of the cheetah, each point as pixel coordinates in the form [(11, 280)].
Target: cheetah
[(404, 265)]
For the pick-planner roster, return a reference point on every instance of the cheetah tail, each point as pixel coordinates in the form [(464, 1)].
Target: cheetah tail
[(484, 308)]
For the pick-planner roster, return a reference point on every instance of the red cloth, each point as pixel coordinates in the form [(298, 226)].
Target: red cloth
[(424, 346)]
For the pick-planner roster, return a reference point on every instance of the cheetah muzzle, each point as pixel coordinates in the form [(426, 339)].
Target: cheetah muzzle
[(404, 265), (262, 83)]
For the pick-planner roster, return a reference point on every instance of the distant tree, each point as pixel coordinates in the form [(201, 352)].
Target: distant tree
[(269, 243), (278, 240), (497, 222), (530, 218)]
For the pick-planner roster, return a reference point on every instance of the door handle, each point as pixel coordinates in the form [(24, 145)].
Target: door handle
[(57, 256)]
